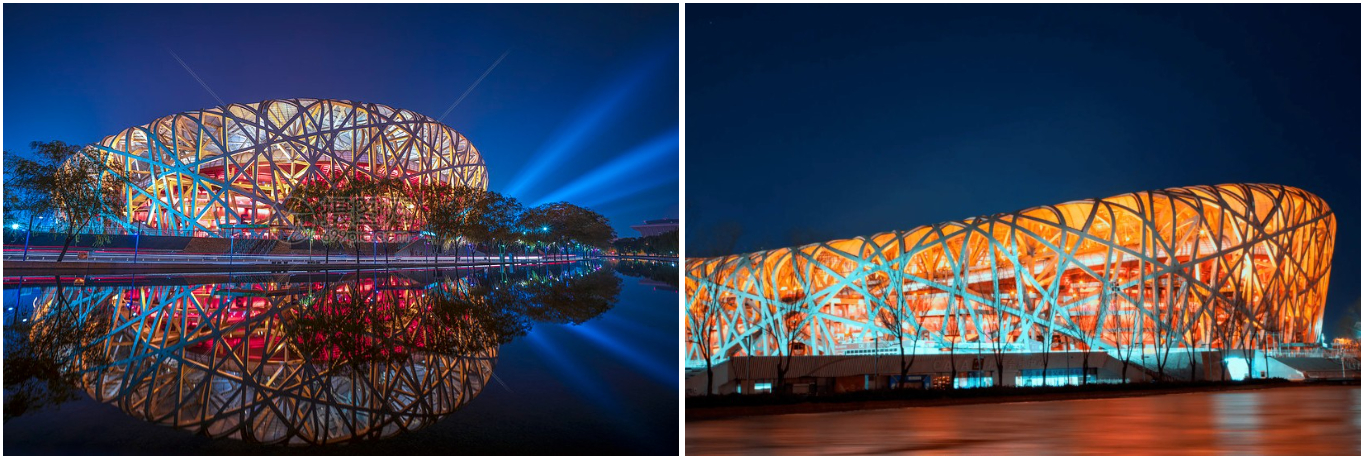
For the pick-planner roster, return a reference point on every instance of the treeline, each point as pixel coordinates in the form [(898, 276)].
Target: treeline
[(660, 271), (659, 245), (340, 210), (358, 208)]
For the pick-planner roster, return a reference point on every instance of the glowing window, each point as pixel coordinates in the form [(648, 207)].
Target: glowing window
[(1237, 368)]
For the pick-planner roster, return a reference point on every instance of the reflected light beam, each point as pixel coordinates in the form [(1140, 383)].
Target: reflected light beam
[(627, 352), (564, 365)]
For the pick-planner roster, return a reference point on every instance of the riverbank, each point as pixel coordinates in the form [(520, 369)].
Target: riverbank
[(641, 257), (733, 406)]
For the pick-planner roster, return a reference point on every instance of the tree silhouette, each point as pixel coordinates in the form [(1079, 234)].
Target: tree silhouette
[(66, 179)]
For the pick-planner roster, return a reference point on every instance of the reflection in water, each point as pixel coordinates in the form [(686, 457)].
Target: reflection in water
[(1314, 420), (294, 361), (657, 274)]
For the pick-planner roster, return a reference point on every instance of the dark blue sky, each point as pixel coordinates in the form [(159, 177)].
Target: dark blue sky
[(583, 109), (815, 122)]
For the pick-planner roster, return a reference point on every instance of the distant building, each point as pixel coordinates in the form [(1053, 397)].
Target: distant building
[(656, 227)]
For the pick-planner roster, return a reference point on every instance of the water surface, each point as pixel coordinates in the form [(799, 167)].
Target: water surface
[(558, 359), (1314, 420)]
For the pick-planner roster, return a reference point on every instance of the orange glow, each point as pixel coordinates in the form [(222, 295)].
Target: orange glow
[(206, 170), (1204, 266)]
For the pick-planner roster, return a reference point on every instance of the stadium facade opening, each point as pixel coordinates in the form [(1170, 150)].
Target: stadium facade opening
[(210, 171), (1205, 267)]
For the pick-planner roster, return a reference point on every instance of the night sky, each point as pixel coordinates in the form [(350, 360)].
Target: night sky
[(583, 108), (815, 122)]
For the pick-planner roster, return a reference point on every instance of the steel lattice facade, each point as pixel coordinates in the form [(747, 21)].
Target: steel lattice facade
[(231, 361), (1203, 267), (201, 171)]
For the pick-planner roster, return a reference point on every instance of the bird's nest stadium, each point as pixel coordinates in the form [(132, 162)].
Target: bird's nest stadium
[(1202, 267), (219, 170)]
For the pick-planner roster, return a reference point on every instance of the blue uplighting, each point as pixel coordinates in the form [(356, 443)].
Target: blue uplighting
[(584, 125), (626, 351), (621, 171)]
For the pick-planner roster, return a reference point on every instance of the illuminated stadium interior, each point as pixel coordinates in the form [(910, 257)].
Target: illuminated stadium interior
[(1202, 267), (206, 171)]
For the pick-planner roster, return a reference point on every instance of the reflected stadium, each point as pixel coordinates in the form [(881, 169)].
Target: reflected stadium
[(209, 172), (1231, 266), (298, 359)]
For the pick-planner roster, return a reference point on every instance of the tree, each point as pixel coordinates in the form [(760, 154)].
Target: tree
[(1347, 326), (701, 320), (658, 244), (352, 325), (397, 211), (359, 193), (786, 326), (1031, 303), (1096, 332), (722, 241), (1132, 324), (895, 315), (465, 213), (1039, 334), (23, 202), (998, 337), (562, 222), (495, 219), (657, 271), (951, 332), (67, 179), (1166, 332), (701, 332), (572, 299), (45, 353), (359, 322), (1247, 332), (723, 238), (1223, 329), (312, 204), (483, 314)]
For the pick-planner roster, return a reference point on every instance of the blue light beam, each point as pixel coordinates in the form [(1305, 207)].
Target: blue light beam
[(630, 188), (621, 170), (626, 351), (584, 126), (573, 372)]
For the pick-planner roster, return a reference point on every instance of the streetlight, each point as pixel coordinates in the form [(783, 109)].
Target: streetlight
[(27, 232)]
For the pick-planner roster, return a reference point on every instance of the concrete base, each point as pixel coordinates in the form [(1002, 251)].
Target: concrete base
[(833, 374)]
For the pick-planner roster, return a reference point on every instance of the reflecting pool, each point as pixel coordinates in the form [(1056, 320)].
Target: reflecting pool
[(1311, 420), (527, 359)]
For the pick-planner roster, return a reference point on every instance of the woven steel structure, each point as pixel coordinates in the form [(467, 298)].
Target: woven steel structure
[(207, 171), (1225, 267), (279, 363)]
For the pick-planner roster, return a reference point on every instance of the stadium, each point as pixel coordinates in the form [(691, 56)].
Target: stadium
[(222, 170), (268, 361), (1201, 268)]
